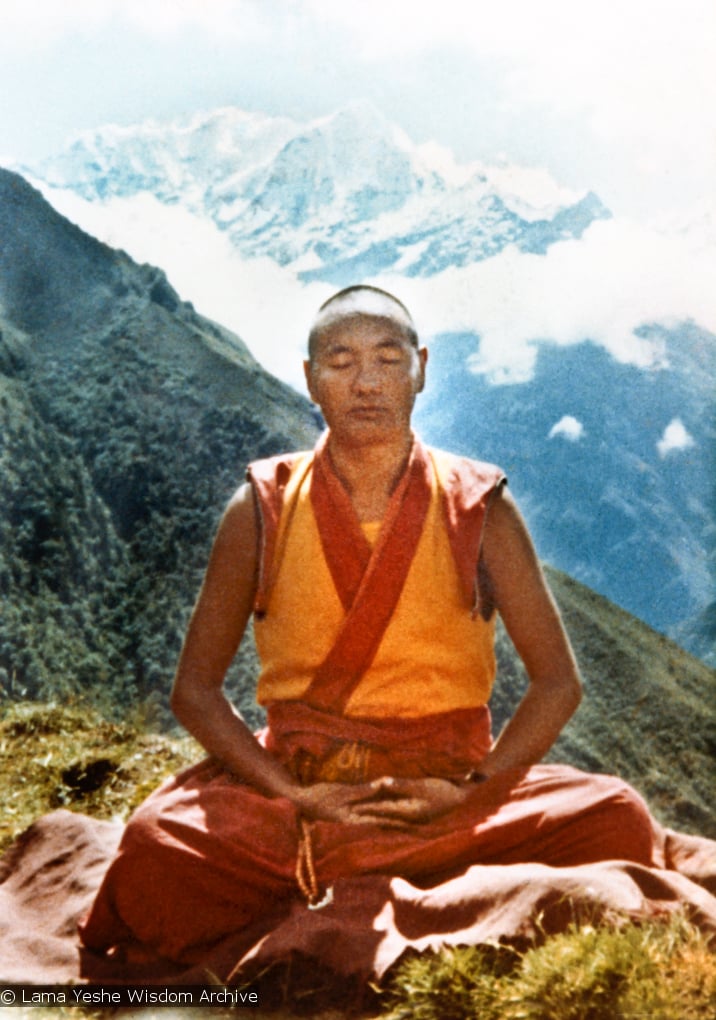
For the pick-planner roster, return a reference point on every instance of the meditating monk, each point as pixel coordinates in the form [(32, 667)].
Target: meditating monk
[(374, 568)]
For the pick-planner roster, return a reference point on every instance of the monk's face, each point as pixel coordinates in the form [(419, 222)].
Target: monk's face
[(365, 374)]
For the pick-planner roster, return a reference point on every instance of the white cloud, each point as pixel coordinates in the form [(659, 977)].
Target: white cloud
[(567, 427), (29, 24), (674, 439), (218, 18), (637, 73), (616, 58), (618, 277)]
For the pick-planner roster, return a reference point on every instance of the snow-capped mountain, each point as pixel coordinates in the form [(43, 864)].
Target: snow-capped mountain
[(577, 350), (346, 194)]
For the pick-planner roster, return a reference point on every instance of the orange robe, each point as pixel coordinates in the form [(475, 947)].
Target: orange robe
[(206, 855)]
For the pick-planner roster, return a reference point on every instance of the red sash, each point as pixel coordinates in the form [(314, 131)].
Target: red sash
[(368, 581)]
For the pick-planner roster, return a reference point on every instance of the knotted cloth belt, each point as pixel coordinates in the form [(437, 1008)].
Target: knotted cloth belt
[(319, 746)]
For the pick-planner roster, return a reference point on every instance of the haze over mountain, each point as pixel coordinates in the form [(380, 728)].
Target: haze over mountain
[(126, 420), (563, 353)]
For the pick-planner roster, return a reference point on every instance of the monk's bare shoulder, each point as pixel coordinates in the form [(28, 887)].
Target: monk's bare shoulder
[(507, 545), (523, 598), (223, 607), (236, 542)]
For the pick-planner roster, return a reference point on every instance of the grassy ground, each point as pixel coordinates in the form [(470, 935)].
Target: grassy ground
[(657, 971), (54, 756), (653, 972), (68, 756)]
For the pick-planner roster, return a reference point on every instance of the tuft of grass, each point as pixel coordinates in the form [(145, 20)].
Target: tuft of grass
[(68, 756), (450, 985), (659, 970), (664, 971)]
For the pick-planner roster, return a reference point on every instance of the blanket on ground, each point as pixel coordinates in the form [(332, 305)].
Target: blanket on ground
[(49, 876)]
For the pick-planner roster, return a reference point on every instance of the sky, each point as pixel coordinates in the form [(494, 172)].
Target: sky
[(614, 95)]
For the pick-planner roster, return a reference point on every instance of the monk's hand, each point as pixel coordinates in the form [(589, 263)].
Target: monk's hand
[(404, 803), (335, 802), (387, 802)]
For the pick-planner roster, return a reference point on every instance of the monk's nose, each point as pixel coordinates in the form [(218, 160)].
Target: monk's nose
[(366, 379)]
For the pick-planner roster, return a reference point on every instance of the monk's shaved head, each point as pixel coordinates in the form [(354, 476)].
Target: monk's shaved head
[(358, 302)]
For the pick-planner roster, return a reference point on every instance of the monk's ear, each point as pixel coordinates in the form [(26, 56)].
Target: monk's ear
[(423, 361), (308, 373)]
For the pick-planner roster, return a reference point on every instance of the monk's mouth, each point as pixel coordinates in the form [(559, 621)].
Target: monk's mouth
[(367, 412)]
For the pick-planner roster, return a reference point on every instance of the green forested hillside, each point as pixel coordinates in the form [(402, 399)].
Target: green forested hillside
[(126, 421)]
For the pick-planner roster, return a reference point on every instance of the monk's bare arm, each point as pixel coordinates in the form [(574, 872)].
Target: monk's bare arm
[(198, 700), (217, 625), (533, 622)]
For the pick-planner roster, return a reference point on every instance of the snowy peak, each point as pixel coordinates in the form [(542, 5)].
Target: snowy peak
[(351, 195), (165, 159), (340, 171)]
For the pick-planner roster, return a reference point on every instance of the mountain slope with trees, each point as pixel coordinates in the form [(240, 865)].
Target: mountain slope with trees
[(127, 421)]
